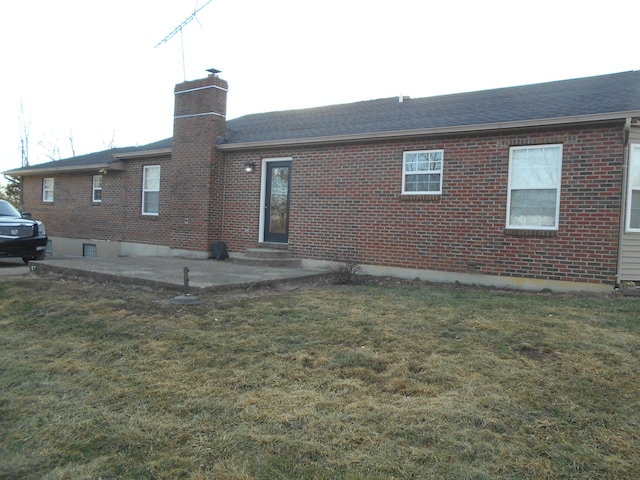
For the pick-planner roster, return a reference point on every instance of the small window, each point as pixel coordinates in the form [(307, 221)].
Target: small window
[(633, 201), (533, 197), (151, 190), (97, 188), (422, 172), (89, 250), (47, 189)]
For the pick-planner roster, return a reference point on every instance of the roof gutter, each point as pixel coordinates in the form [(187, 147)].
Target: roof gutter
[(397, 134), (107, 166), (143, 153), (117, 166)]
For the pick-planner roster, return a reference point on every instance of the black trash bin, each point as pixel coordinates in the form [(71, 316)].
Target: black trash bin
[(220, 251)]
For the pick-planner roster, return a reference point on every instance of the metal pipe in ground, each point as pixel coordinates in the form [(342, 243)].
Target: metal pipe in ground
[(186, 298)]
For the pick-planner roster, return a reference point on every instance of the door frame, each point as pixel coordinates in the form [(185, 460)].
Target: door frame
[(263, 191)]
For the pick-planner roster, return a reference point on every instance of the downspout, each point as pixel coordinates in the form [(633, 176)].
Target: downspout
[(623, 199)]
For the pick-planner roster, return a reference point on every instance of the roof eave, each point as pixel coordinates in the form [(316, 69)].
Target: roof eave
[(95, 167), (143, 153), (396, 134), (113, 166)]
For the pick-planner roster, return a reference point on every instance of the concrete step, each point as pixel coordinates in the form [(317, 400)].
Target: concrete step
[(266, 257), (267, 253)]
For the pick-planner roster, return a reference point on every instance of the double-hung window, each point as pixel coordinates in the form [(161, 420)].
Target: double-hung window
[(422, 172), (633, 196), (47, 189), (151, 190), (97, 189), (533, 196)]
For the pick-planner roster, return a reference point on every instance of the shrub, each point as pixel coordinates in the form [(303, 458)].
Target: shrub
[(344, 272)]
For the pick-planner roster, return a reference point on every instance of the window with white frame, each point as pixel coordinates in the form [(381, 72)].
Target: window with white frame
[(97, 188), (422, 172), (533, 196), (633, 195), (47, 189), (151, 190)]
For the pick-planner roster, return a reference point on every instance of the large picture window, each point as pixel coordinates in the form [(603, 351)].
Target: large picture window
[(533, 196), (47, 189), (151, 190), (633, 196), (422, 172)]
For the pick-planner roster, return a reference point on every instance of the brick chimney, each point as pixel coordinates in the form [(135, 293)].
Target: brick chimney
[(196, 167)]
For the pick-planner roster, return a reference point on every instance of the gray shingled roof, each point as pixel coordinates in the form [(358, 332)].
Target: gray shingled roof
[(582, 97), (568, 98), (103, 157)]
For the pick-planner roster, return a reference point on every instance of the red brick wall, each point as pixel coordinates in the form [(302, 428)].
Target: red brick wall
[(118, 217), (346, 203), (196, 168), (191, 184)]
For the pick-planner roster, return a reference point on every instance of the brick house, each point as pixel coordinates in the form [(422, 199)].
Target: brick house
[(533, 186)]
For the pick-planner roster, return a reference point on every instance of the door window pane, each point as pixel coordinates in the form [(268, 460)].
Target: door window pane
[(279, 200)]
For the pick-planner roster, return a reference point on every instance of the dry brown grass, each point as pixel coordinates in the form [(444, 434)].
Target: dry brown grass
[(399, 381)]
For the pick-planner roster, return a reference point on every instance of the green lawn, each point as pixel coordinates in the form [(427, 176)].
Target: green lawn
[(352, 382)]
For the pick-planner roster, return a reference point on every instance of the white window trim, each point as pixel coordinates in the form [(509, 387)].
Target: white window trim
[(45, 190), (634, 156), (94, 189), (558, 188), (429, 172), (144, 191)]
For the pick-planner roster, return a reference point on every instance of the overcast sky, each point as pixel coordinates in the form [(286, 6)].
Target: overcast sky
[(89, 69)]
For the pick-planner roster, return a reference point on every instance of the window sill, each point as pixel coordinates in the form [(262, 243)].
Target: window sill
[(420, 198), (524, 232)]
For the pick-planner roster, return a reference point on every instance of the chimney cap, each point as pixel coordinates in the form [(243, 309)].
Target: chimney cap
[(213, 71)]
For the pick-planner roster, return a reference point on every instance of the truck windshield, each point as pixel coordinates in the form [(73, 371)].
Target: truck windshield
[(8, 210)]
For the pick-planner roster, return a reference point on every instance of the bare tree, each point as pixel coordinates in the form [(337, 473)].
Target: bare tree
[(112, 143), (73, 149), (25, 130), (52, 151)]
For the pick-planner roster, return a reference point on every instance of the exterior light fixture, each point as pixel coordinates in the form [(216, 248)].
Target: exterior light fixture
[(249, 167)]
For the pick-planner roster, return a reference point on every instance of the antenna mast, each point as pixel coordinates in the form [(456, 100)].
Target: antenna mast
[(179, 28)]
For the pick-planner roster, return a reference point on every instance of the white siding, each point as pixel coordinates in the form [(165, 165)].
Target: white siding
[(630, 265)]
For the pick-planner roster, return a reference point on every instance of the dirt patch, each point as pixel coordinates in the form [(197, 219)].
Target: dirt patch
[(145, 299), (538, 354)]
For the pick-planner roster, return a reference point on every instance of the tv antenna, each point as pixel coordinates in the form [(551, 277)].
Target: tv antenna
[(178, 29)]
